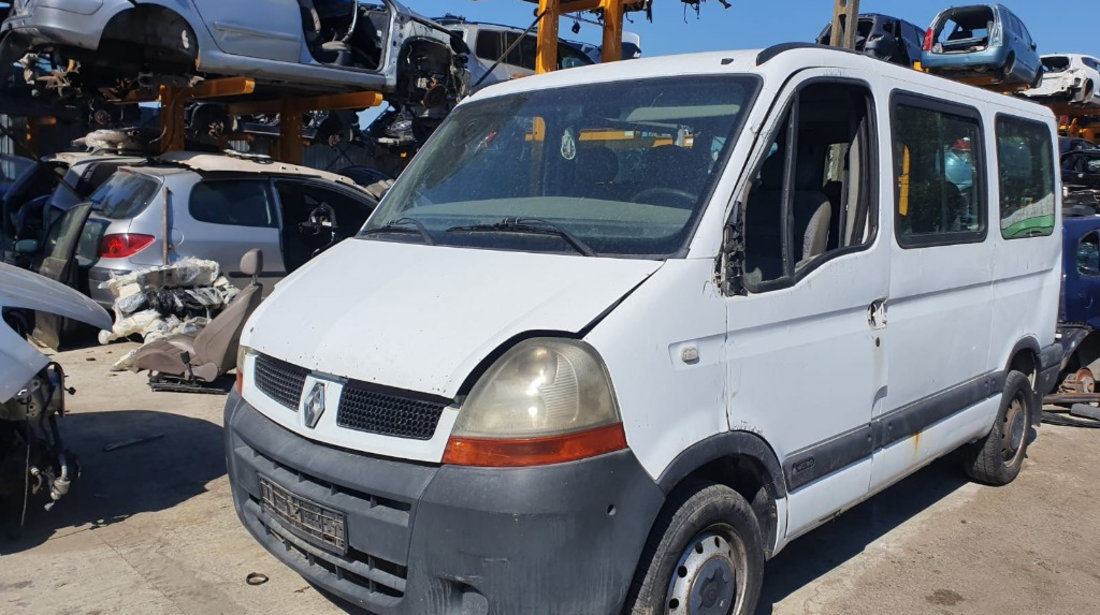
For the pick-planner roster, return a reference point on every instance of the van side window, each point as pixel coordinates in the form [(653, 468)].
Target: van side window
[(811, 196), (938, 171), (1088, 255), (1025, 165)]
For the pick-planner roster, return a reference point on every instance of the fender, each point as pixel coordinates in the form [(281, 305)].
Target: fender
[(723, 445)]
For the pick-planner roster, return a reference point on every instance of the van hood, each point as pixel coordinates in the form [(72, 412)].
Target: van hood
[(19, 361), (420, 318)]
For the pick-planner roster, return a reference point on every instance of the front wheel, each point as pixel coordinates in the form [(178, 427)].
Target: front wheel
[(704, 556), (998, 458)]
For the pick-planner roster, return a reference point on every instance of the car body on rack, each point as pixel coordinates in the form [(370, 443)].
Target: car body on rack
[(488, 43), (314, 46), (982, 40), (1069, 77), (1081, 169), (884, 37)]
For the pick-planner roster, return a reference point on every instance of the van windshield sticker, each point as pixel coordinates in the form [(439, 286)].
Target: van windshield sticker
[(568, 145)]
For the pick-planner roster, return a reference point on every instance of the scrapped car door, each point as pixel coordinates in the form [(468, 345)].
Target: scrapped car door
[(269, 29), (316, 216), (60, 264), (1082, 278), (229, 217)]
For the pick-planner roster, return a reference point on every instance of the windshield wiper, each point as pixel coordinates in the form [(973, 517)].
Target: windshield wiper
[(536, 226), (401, 225)]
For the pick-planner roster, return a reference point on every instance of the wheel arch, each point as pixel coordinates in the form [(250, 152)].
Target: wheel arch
[(745, 462), (1024, 358), (148, 23)]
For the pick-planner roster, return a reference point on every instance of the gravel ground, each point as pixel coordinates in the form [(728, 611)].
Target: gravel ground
[(151, 530)]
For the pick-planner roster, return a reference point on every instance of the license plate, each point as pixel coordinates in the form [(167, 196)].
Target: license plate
[(320, 526)]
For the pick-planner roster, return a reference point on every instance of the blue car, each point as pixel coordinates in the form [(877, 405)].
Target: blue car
[(982, 40)]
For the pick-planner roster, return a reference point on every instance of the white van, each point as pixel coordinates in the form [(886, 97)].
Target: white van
[(620, 333)]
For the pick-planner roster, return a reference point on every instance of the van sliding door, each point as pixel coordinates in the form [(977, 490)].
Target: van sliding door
[(940, 292)]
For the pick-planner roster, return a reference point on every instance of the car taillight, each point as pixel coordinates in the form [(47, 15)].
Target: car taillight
[(929, 36), (123, 245)]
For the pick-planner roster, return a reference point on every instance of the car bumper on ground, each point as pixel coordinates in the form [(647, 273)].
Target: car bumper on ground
[(96, 277), (430, 539)]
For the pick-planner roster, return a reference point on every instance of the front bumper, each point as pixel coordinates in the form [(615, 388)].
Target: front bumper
[(426, 539)]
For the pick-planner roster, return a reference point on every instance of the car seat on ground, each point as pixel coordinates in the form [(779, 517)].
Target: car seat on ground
[(184, 363)]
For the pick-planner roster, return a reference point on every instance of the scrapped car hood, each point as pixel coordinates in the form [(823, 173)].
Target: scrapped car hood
[(421, 318), (19, 361)]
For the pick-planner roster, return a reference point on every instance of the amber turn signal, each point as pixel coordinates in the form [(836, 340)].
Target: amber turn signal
[(502, 453)]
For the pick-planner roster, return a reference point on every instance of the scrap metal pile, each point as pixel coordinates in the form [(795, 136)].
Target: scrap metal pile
[(166, 301)]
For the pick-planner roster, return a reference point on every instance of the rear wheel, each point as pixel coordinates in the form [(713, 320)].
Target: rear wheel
[(998, 458), (704, 556)]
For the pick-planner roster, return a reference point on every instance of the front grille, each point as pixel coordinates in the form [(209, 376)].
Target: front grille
[(366, 407), (280, 380)]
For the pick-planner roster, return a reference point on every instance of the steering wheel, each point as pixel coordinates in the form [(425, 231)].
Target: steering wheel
[(321, 218), (686, 198)]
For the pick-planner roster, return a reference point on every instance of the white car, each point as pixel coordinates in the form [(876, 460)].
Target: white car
[(1069, 76), (618, 334)]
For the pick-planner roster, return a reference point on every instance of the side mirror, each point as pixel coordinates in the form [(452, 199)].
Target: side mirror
[(26, 246)]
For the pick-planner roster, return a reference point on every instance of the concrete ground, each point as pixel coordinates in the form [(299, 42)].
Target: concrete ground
[(151, 530)]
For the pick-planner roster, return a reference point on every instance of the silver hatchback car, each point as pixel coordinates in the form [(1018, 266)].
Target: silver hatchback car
[(213, 207)]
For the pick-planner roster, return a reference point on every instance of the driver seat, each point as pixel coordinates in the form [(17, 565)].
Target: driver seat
[(213, 351)]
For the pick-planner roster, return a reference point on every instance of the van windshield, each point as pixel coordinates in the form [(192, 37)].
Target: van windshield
[(621, 169)]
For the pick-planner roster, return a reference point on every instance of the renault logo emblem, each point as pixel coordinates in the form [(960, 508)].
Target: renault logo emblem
[(315, 405)]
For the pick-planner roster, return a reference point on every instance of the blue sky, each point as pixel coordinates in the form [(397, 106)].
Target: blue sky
[(1058, 26)]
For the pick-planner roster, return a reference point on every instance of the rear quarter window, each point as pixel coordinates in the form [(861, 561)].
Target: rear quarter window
[(124, 196), (1025, 165), (233, 202)]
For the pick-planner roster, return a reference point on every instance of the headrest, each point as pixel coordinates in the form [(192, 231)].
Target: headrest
[(252, 263)]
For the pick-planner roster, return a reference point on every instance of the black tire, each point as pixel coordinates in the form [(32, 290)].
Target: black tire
[(998, 458), (707, 533)]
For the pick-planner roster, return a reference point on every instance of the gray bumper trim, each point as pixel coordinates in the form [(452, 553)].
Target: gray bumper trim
[(448, 540)]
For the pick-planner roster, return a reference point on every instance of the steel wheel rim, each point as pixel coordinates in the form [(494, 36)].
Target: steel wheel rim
[(1013, 431), (707, 577)]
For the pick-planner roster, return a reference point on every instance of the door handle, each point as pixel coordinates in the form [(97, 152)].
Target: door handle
[(876, 314)]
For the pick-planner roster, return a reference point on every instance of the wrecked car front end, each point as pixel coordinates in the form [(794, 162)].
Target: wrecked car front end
[(34, 463)]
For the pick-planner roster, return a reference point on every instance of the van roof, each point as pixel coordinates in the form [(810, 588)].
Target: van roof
[(774, 64)]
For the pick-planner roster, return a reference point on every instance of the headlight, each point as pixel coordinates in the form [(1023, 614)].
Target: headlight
[(242, 352), (546, 400)]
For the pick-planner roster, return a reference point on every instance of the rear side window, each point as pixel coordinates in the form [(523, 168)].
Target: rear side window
[(124, 196), (233, 202), (938, 171), (1025, 164)]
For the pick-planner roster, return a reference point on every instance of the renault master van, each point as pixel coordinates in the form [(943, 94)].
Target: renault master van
[(621, 333)]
